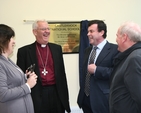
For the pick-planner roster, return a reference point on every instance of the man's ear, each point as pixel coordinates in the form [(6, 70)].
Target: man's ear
[(124, 37), (34, 32), (102, 32)]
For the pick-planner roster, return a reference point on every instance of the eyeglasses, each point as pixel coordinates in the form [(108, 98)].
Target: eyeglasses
[(43, 29)]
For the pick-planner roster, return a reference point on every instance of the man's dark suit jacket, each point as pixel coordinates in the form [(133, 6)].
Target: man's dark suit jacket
[(27, 55), (99, 82)]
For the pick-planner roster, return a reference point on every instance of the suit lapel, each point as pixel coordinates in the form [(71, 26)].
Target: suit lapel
[(33, 57), (32, 53), (53, 52), (87, 55), (105, 51)]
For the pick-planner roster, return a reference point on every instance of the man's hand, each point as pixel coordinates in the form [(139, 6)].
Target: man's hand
[(91, 68)]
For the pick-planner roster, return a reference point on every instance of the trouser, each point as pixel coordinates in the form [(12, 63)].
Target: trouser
[(50, 100), (86, 107)]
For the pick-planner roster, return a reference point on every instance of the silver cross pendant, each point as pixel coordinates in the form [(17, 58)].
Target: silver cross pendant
[(44, 72)]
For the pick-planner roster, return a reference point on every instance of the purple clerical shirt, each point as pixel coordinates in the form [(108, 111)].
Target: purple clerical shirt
[(45, 60)]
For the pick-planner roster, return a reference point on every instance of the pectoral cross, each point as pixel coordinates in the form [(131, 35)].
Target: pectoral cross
[(44, 72)]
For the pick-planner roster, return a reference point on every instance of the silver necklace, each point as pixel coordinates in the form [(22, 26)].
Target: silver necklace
[(44, 72)]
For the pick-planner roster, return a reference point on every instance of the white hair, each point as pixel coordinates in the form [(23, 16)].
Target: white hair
[(35, 24), (132, 29)]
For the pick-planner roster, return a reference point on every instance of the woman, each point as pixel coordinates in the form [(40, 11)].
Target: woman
[(14, 85)]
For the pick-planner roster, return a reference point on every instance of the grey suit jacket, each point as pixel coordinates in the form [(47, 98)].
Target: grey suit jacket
[(14, 93)]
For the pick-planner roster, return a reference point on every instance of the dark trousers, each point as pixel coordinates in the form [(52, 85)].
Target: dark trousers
[(50, 100), (86, 107)]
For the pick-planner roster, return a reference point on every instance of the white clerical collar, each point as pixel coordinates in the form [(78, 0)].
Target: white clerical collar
[(43, 45)]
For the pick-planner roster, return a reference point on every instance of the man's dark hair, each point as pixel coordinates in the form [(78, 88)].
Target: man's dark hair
[(100, 26)]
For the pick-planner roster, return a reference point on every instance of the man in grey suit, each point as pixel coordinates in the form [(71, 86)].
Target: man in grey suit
[(93, 94), (50, 94)]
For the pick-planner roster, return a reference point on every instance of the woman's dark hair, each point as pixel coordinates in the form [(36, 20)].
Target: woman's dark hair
[(100, 26), (6, 33)]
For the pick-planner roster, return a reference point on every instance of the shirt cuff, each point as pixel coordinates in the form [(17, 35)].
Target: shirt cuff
[(25, 76), (28, 87)]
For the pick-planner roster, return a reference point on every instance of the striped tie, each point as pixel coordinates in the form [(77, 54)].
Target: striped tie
[(87, 80)]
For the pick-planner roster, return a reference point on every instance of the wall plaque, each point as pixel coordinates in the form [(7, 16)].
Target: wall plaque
[(66, 34)]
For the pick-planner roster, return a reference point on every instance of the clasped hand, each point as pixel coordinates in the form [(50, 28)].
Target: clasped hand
[(91, 68)]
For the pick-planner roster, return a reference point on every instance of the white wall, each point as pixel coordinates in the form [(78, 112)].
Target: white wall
[(114, 12)]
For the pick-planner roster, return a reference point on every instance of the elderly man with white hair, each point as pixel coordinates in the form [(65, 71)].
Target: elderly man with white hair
[(125, 85)]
